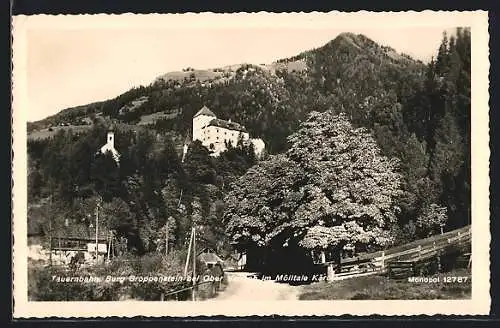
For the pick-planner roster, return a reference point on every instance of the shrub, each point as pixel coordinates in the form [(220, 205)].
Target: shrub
[(43, 285), (432, 219)]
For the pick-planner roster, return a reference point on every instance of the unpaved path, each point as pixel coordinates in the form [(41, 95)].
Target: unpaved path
[(242, 287)]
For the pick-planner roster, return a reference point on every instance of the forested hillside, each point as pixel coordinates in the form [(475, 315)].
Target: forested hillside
[(416, 113)]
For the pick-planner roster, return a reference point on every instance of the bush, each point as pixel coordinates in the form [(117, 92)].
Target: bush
[(432, 219), (43, 285)]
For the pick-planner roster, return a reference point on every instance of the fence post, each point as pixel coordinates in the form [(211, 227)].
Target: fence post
[(330, 273), (383, 260)]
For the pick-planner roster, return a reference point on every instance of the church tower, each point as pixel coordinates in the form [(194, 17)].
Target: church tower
[(109, 146), (111, 138)]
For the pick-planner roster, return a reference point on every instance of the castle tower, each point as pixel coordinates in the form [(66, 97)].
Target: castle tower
[(200, 120)]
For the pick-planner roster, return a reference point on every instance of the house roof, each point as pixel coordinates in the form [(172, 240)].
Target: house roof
[(227, 125), (206, 250), (205, 111), (209, 258), (80, 231)]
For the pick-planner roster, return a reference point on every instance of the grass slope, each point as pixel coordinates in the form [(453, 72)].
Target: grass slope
[(381, 288)]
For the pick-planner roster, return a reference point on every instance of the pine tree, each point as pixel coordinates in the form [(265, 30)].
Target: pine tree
[(442, 61)]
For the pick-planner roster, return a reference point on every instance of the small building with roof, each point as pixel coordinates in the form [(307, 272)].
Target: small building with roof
[(68, 241), (208, 257)]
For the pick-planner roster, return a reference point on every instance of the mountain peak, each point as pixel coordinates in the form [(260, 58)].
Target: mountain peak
[(361, 44), (346, 35), (350, 39)]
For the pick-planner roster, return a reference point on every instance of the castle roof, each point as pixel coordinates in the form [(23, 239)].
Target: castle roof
[(227, 125), (205, 111)]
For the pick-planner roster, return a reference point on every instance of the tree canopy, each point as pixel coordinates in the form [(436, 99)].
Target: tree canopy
[(332, 189)]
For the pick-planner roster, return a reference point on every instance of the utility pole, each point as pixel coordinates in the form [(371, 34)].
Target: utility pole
[(50, 239), (194, 263), (188, 254), (50, 228), (97, 231), (110, 236), (180, 198), (166, 239)]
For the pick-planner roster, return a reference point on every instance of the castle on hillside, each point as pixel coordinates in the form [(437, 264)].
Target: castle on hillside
[(214, 133), (109, 146)]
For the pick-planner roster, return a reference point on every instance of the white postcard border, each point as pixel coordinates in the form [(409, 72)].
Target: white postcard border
[(480, 301)]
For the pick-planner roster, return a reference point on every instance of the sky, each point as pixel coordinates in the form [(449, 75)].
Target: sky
[(75, 66)]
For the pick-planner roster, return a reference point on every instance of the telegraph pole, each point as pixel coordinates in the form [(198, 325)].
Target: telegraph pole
[(188, 255), (50, 240), (194, 263), (110, 236), (180, 198), (50, 228), (97, 231), (166, 239)]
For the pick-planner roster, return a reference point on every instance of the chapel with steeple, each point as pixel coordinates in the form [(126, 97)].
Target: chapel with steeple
[(109, 146)]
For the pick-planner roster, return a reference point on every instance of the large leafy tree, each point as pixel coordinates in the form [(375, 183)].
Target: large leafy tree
[(261, 202), (332, 190)]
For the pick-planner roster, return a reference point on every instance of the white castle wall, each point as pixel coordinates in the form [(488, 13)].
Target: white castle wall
[(199, 123), (215, 137)]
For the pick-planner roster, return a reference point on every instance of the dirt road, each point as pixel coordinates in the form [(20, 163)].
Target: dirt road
[(242, 287)]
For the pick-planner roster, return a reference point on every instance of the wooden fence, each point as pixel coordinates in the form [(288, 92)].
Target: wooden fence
[(404, 258)]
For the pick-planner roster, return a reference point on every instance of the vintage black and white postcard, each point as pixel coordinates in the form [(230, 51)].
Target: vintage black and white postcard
[(251, 164)]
